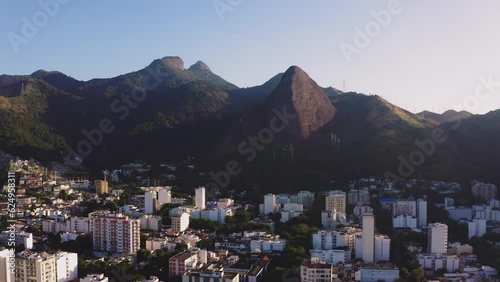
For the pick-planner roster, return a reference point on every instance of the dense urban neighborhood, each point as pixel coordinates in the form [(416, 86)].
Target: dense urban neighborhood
[(127, 226)]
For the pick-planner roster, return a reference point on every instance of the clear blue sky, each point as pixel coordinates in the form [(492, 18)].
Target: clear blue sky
[(428, 57)]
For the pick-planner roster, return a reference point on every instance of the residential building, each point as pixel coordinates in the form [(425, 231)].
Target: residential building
[(150, 202), (180, 222), (459, 249), (331, 256), (314, 270), (200, 201), (331, 239), (485, 191), (477, 227), (368, 240), (336, 200), (305, 198), (437, 238), (439, 261), (115, 233), (150, 222), (181, 263), (24, 238), (270, 205), (268, 245), (373, 273), (361, 209), (422, 212), (225, 203), (382, 248), (355, 196), (404, 221), (7, 268), (44, 267), (290, 211), (101, 187)]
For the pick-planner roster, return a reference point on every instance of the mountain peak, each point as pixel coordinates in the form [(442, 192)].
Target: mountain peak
[(200, 67), (302, 96), (173, 62), (41, 73)]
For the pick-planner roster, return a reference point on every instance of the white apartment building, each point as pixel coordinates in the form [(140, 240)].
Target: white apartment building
[(150, 222), (270, 205), (476, 227), (330, 239), (180, 222), (115, 233), (290, 211), (331, 256), (437, 238), (439, 261), (183, 262), (60, 267), (422, 212), (268, 245), (24, 238), (368, 240), (382, 248), (200, 201), (359, 210), (7, 269), (225, 203), (404, 221)]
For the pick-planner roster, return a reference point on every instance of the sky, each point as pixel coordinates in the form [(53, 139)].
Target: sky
[(419, 55)]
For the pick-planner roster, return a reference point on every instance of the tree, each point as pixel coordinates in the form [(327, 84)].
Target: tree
[(207, 244), (417, 274), (144, 255), (112, 206)]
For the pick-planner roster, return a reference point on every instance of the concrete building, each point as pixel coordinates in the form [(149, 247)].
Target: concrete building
[(225, 203), (305, 198), (477, 228), (24, 238), (7, 267), (314, 270), (422, 212), (437, 238), (377, 273), (336, 200), (360, 209), (270, 205), (439, 261), (150, 222), (180, 222), (101, 187), (44, 267), (331, 256), (150, 202), (200, 201), (330, 239), (404, 221), (355, 196), (182, 263), (485, 191), (368, 234), (216, 214), (115, 233), (290, 211), (268, 245), (459, 249), (382, 248)]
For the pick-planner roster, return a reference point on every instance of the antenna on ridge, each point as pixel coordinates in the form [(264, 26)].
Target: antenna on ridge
[(22, 89)]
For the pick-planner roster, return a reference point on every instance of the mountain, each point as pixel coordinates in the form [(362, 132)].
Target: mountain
[(328, 134), (448, 116)]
